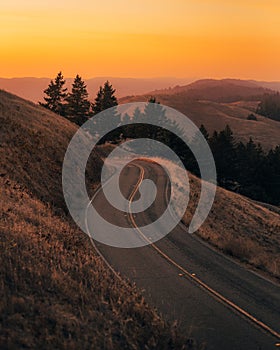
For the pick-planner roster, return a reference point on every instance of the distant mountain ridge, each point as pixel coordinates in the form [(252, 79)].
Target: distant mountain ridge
[(273, 85), (223, 90), (32, 88), (216, 103)]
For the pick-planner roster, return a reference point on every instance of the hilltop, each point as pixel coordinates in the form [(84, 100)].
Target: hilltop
[(223, 90), (216, 103)]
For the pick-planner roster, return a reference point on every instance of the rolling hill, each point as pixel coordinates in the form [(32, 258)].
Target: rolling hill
[(224, 90), (273, 85), (202, 103), (221, 90), (55, 291)]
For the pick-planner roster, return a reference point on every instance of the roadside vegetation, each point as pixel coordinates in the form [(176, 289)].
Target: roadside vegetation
[(57, 293), (240, 227)]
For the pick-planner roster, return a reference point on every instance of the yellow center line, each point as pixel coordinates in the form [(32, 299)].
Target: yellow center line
[(192, 276)]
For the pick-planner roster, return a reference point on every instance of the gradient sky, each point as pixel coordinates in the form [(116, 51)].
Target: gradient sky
[(141, 38)]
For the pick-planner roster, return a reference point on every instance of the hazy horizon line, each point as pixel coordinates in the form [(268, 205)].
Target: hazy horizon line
[(148, 78)]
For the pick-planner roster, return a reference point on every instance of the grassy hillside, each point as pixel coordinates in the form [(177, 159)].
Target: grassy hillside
[(55, 291), (240, 227), (216, 115), (236, 225), (33, 144)]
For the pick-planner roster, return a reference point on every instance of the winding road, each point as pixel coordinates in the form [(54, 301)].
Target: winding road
[(214, 299)]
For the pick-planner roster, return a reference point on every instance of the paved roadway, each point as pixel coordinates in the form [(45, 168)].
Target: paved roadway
[(214, 299)]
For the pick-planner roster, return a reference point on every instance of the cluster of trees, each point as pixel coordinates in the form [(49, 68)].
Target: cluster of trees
[(153, 112), (244, 168), (241, 167), (270, 106), (75, 104)]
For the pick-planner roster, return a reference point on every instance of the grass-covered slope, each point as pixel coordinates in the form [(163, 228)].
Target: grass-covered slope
[(240, 227), (236, 225), (55, 291), (216, 115)]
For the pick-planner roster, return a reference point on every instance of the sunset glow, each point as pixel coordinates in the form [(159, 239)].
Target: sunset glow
[(140, 38)]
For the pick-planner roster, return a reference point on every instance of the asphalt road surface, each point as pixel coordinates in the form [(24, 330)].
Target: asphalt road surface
[(214, 299)]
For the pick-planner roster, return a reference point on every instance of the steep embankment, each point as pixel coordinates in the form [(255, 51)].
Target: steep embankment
[(236, 225), (33, 144), (55, 291), (240, 227)]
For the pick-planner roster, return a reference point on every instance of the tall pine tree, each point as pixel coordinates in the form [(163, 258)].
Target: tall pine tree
[(56, 94), (78, 105), (224, 150), (104, 100)]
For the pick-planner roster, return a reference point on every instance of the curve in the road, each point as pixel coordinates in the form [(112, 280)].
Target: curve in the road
[(191, 275), (102, 250)]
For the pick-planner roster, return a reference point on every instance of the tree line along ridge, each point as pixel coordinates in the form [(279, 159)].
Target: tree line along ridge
[(244, 168)]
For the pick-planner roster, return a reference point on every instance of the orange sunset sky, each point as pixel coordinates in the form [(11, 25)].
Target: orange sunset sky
[(141, 38)]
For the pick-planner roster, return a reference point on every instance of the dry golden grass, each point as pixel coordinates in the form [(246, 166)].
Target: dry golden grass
[(242, 228), (55, 291), (215, 116)]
